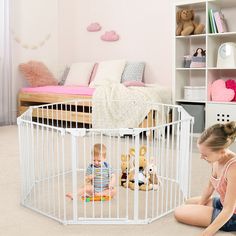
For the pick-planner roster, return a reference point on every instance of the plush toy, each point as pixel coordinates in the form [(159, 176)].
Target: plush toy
[(185, 23), (151, 170), (220, 93), (125, 167), (198, 59), (143, 179), (231, 84)]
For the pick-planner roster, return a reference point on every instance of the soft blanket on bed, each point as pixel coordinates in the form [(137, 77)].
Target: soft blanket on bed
[(117, 106)]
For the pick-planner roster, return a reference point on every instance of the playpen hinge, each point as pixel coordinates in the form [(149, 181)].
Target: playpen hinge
[(138, 131), (77, 132), (124, 131), (63, 132), (19, 120)]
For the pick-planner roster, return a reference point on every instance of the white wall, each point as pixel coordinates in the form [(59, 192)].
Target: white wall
[(145, 29), (33, 21)]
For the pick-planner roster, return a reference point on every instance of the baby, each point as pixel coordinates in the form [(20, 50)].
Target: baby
[(100, 178)]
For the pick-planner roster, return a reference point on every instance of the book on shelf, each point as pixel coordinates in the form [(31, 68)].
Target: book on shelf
[(213, 27), (220, 22)]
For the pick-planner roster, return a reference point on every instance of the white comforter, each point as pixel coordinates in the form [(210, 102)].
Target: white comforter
[(117, 106)]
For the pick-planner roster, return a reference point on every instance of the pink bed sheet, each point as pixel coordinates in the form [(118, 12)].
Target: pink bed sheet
[(61, 90)]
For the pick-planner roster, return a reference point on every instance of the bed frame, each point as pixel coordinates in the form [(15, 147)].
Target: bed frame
[(26, 99)]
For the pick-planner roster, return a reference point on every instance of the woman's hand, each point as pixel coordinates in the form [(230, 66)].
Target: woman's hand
[(205, 233)]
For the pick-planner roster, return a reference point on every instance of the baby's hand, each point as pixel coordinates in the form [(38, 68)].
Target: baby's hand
[(89, 177), (111, 186)]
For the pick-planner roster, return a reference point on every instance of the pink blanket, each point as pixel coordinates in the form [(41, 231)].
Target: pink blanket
[(60, 89)]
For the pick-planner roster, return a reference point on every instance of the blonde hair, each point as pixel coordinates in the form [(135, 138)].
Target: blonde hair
[(219, 136), (99, 148)]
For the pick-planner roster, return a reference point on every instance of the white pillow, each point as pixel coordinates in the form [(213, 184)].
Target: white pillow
[(79, 74), (108, 72)]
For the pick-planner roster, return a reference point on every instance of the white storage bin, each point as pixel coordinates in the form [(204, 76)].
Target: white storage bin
[(220, 113), (194, 93)]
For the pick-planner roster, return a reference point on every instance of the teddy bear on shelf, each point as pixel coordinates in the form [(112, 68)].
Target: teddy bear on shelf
[(185, 23), (151, 170), (125, 167), (143, 179)]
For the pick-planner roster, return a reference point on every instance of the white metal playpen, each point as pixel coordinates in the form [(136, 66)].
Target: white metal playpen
[(56, 143)]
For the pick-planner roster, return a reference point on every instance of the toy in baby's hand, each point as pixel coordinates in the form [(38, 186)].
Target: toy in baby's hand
[(185, 23), (125, 167), (143, 180)]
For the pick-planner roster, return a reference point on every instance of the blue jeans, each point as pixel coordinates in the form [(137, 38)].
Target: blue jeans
[(230, 225)]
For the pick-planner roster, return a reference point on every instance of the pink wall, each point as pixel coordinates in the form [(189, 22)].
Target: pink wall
[(144, 28)]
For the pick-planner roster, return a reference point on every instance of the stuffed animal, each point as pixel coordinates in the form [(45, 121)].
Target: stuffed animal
[(198, 59), (220, 93), (125, 167), (143, 180), (185, 23), (151, 170), (231, 84)]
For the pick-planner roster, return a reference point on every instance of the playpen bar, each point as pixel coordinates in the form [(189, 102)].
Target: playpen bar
[(101, 202), (116, 176), (162, 164), (180, 163), (74, 176), (63, 175), (43, 161), (37, 157), (136, 187), (186, 163), (33, 162), (177, 158), (147, 191), (91, 161), (184, 159), (180, 179), (58, 166), (27, 162), (190, 155), (21, 157), (167, 165), (53, 171), (47, 162), (153, 131), (84, 176), (28, 166), (24, 162), (172, 161), (127, 145), (158, 144)]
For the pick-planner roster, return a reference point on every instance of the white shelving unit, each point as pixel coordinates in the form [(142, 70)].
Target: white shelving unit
[(206, 112)]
